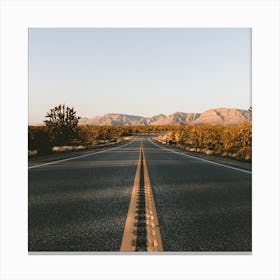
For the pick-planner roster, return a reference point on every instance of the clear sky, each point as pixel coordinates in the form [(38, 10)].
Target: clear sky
[(138, 71)]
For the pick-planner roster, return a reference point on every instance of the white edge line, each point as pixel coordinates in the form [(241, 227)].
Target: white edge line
[(81, 156), (209, 161)]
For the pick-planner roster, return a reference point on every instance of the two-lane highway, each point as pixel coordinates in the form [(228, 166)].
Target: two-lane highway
[(81, 204)]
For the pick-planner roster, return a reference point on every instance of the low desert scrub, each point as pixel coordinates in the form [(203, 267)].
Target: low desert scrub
[(233, 141), (67, 148)]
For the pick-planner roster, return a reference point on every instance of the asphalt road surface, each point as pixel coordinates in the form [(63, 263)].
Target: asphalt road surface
[(81, 203)]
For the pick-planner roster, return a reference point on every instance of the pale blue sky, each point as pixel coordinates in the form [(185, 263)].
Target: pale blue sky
[(139, 71)]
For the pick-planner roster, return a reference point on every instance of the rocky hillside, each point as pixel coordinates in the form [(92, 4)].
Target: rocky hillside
[(221, 116), (111, 119)]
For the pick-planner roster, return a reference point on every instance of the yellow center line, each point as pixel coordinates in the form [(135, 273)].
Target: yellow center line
[(153, 237), (154, 242)]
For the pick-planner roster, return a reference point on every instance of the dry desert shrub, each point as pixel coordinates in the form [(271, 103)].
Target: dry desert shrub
[(233, 141)]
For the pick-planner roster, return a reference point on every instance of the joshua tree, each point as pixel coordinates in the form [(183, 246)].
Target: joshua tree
[(62, 122)]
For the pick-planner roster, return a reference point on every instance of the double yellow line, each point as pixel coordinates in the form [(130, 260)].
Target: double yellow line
[(153, 237)]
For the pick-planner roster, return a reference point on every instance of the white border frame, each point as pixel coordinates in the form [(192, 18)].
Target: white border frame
[(260, 15)]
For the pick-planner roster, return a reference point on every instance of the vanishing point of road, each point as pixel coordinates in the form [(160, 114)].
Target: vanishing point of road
[(139, 196)]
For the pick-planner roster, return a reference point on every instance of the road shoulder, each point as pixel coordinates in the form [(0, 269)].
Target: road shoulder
[(216, 159)]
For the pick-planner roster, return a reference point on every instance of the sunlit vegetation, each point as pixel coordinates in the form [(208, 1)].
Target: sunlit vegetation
[(45, 139), (62, 133), (229, 141)]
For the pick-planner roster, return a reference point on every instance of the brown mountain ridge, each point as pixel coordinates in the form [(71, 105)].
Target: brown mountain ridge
[(219, 116)]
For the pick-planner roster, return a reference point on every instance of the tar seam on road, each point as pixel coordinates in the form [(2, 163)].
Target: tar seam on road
[(81, 156), (141, 232), (202, 159)]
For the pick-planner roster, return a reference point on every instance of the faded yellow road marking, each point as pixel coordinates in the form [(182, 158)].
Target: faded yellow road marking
[(154, 242), (128, 239), (153, 237)]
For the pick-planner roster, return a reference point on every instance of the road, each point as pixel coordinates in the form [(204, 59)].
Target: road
[(82, 203)]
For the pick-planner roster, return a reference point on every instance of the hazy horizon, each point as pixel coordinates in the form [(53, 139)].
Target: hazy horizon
[(138, 71)]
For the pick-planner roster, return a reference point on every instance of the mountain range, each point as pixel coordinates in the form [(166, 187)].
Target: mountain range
[(219, 116)]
